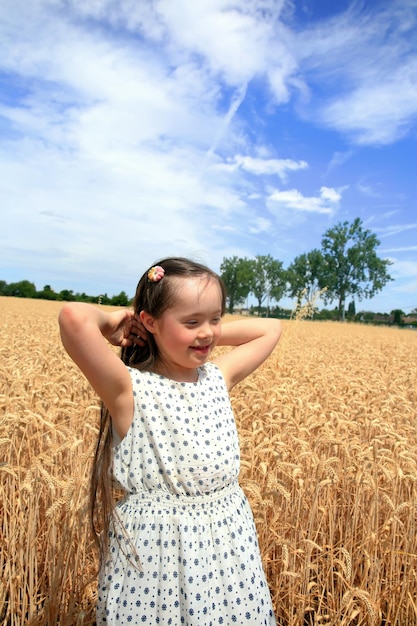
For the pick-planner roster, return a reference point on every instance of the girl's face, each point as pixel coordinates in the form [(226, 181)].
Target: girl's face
[(187, 332)]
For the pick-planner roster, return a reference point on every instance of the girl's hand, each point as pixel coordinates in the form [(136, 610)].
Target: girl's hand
[(124, 329), (138, 333), (253, 340)]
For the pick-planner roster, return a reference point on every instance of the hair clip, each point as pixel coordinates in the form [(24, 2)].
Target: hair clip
[(155, 274)]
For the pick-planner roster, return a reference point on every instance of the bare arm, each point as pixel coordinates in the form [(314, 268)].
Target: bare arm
[(253, 341), (83, 329)]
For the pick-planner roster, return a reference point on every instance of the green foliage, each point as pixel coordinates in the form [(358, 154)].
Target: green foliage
[(121, 300), (264, 277), (397, 316), (269, 279), (237, 276), (327, 315), (22, 289), (26, 289), (67, 295), (351, 310), (303, 276), (83, 297), (104, 299), (47, 293), (366, 316), (351, 265)]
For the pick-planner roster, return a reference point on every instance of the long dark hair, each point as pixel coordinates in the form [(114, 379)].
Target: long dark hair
[(154, 298)]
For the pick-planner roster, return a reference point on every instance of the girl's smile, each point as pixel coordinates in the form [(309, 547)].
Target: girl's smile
[(202, 349)]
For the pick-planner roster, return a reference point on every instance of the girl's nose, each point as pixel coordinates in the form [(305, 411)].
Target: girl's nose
[(205, 330)]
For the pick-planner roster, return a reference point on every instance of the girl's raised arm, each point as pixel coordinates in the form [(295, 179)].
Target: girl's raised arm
[(83, 329), (253, 341)]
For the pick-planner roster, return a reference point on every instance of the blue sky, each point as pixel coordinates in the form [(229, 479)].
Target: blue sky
[(205, 128)]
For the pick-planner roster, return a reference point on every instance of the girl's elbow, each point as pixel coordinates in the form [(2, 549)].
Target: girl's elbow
[(65, 314), (67, 317), (276, 329), (275, 325)]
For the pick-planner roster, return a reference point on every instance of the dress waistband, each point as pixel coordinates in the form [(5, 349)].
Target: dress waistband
[(159, 496)]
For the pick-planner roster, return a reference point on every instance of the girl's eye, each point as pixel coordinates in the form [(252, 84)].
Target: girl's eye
[(215, 320)]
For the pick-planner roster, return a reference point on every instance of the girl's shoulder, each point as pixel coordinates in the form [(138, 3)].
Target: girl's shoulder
[(213, 374), (210, 368)]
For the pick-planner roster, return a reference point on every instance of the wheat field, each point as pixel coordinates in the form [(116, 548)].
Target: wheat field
[(328, 430)]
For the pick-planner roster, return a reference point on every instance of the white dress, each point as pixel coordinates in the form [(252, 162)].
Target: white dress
[(185, 517)]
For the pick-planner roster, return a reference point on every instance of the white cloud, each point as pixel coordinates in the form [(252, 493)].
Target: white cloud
[(236, 40), (327, 202), (269, 167), (232, 42), (259, 225), (360, 113)]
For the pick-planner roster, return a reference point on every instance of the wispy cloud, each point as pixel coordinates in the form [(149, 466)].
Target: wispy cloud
[(266, 167), (399, 249), (404, 269), (394, 229), (338, 159), (259, 225), (360, 114), (364, 58), (368, 190)]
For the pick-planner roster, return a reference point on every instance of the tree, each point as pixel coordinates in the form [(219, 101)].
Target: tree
[(303, 276), (326, 314), (269, 281), (351, 265), (121, 300), (237, 276), (397, 316), (47, 293), (83, 297), (67, 295), (351, 310), (104, 299), (22, 289)]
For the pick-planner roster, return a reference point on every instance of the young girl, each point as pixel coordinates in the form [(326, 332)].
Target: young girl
[(181, 547)]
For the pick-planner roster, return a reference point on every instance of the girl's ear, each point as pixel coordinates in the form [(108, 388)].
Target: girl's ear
[(148, 321)]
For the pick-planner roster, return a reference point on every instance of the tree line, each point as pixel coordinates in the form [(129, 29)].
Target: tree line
[(27, 289), (345, 267)]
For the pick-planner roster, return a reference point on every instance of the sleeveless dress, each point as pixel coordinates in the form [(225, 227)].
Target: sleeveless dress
[(185, 548)]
